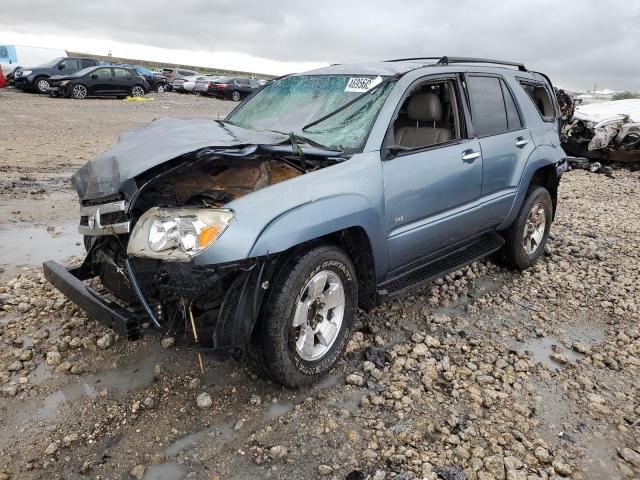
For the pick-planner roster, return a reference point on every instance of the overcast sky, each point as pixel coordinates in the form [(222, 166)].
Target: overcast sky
[(579, 43)]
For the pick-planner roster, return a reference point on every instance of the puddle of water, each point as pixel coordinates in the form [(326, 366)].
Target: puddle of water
[(224, 430), (164, 471), (541, 349), (27, 246), (118, 381)]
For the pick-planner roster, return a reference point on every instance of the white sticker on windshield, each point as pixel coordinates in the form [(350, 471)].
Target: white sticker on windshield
[(362, 84)]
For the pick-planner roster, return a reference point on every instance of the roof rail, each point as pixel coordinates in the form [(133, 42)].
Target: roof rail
[(449, 60)]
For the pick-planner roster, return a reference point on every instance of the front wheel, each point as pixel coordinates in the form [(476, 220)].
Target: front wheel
[(235, 96), (528, 234), (306, 318), (137, 91), (42, 85), (79, 92)]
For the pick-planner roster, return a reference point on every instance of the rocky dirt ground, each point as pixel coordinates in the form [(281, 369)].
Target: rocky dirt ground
[(485, 374)]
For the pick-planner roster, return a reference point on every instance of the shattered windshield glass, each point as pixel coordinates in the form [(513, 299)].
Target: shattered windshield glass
[(291, 103)]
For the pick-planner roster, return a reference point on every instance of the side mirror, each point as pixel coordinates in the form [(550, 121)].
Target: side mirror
[(94, 76), (61, 66)]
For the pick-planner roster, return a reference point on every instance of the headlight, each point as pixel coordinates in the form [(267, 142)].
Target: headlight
[(26, 72), (177, 233)]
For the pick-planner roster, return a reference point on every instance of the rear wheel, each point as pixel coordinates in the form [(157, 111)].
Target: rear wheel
[(306, 318), (235, 96), (79, 92), (42, 84), (160, 89), (528, 234), (137, 91)]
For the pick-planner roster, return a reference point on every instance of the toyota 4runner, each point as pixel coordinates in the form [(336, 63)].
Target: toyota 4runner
[(321, 193)]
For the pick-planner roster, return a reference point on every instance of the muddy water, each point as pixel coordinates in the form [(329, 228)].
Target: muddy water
[(541, 349), (164, 471), (29, 246)]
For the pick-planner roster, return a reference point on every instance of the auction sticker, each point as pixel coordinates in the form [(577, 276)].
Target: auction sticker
[(362, 84)]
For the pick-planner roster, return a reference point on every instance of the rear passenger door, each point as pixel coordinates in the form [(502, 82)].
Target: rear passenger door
[(122, 81), (505, 143)]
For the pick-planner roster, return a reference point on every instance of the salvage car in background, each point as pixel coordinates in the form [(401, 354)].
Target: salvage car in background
[(324, 192), (232, 88), (157, 82), (3, 80), (37, 78), (100, 81), (172, 74), (202, 83)]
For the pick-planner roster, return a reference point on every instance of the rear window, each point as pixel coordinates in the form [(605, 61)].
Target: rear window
[(540, 97)]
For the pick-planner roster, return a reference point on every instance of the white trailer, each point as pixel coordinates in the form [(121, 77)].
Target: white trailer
[(12, 56)]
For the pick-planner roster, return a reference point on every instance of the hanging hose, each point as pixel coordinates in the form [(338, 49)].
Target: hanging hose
[(138, 291)]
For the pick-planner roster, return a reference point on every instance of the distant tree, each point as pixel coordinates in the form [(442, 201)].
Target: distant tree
[(625, 95)]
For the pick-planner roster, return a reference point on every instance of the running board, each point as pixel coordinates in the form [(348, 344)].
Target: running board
[(485, 245)]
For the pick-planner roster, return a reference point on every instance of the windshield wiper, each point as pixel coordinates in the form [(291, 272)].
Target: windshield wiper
[(348, 104)]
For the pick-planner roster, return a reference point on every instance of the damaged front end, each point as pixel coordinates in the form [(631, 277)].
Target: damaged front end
[(143, 239), (606, 131)]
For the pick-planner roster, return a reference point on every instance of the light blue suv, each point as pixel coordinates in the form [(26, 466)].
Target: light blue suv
[(321, 193)]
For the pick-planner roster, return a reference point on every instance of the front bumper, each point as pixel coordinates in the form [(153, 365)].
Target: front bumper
[(70, 282), (23, 83)]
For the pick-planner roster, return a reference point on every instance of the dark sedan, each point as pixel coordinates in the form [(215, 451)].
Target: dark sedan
[(100, 82), (234, 88)]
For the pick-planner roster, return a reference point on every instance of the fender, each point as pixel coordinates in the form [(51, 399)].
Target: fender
[(542, 156), (323, 217)]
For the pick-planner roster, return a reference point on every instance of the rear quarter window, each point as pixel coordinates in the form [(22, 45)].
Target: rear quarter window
[(539, 95)]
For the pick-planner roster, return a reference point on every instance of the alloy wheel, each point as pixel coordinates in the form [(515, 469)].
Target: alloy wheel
[(318, 315), (43, 85), (235, 96), (79, 92), (137, 91), (534, 229)]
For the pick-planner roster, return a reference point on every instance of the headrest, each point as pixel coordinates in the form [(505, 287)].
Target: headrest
[(425, 107)]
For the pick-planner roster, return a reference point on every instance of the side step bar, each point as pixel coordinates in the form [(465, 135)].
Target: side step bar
[(465, 255)]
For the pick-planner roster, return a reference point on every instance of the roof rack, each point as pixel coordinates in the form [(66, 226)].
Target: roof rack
[(449, 60)]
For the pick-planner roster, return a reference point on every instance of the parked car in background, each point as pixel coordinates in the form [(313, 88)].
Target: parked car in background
[(396, 173), (37, 78), (13, 56), (157, 82), (3, 80), (232, 88), (186, 84), (202, 83), (172, 74), (101, 81)]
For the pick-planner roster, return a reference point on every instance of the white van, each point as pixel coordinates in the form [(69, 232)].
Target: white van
[(13, 56)]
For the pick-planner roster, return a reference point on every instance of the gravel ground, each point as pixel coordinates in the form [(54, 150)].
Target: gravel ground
[(484, 374)]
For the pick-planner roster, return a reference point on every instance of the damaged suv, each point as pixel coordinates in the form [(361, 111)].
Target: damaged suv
[(321, 193)]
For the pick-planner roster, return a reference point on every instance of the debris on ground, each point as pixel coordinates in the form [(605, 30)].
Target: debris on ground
[(607, 131)]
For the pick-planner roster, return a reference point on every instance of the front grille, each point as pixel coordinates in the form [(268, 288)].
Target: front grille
[(104, 219)]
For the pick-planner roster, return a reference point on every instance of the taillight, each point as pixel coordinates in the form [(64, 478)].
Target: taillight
[(219, 85)]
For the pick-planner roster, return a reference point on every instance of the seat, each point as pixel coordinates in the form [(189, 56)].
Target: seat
[(423, 107)]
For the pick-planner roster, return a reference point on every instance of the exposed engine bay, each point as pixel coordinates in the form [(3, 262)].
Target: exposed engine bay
[(223, 299)]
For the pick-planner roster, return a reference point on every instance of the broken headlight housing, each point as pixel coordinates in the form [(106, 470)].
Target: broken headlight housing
[(177, 233)]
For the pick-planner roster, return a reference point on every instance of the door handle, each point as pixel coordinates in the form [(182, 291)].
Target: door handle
[(469, 156), (521, 142)]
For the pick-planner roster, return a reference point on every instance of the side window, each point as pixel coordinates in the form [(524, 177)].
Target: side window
[(85, 62), (539, 95), (242, 81), (513, 119), (487, 105), (428, 116), (69, 65), (4, 52), (121, 73), (103, 73)]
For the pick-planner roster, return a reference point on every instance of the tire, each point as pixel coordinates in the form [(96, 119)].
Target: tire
[(137, 91), (235, 96), (79, 91), (42, 84), (526, 237), (160, 89), (290, 348)]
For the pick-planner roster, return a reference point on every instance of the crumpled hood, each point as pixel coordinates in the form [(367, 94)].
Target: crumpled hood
[(156, 143)]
